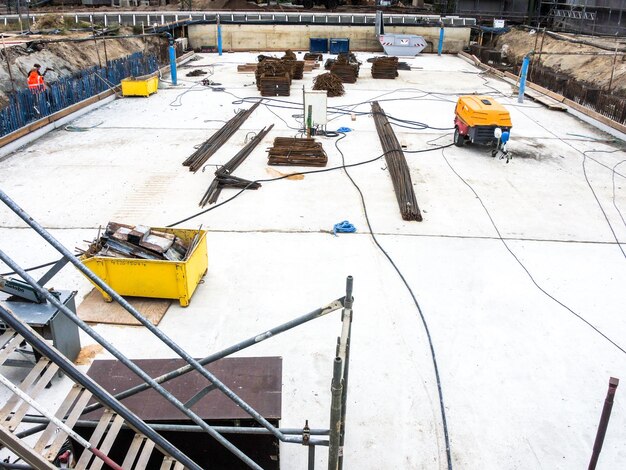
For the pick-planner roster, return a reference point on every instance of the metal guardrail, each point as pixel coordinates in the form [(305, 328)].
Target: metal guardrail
[(159, 18)]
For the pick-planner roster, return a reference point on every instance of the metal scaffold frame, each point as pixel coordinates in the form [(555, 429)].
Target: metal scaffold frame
[(303, 437)]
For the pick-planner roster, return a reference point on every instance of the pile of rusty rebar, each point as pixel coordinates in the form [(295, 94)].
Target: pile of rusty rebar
[(210, 146), (275, 85), (313, 56), (329, 82), (297, 152), (396, 163), (224, 177), (270, 67), (346, 67), (385, 67)]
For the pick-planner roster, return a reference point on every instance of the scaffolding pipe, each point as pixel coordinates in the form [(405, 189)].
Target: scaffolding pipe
[(174, 427), (335, 415), (58, 423), (124, 360), (153, 329), (604, 422), (320, 312), (347, 319), (100, 394)]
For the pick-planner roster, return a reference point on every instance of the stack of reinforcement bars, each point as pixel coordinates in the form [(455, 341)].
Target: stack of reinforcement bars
[(224, 177), (210, 146), (398, 168)]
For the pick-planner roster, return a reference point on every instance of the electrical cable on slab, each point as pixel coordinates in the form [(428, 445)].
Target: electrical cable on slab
[(585, 156), (530, 276), (415, 301), (308, 172)]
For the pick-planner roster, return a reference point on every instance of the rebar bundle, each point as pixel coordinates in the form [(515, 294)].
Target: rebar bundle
[(224, 177), (329, 82), (211, 145), (272, 85), (385, 67), (396, 163), (297, 152)]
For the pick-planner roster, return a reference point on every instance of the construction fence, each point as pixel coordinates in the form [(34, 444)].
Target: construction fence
[(26, 106)]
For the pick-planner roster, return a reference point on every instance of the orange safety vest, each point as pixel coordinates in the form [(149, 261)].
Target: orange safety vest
[(35, 81)]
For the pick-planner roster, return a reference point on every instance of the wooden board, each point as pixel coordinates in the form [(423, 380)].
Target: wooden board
[(257, 380), (94, 309)]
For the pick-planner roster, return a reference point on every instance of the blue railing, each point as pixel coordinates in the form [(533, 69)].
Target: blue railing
[(26, 106)]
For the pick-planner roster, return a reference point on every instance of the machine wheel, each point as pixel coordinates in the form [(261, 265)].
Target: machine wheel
[(307, 4), (459, 140)]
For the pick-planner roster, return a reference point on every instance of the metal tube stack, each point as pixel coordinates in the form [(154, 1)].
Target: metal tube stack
[(396, 163), (210, 146), (224, 177)]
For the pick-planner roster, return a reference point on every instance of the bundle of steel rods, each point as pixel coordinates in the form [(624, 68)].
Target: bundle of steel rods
[(398, 168), (296, 152), (210, 146), (224, 177)]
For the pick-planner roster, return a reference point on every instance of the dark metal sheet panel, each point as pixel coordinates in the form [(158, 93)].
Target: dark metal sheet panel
[(257, 380)]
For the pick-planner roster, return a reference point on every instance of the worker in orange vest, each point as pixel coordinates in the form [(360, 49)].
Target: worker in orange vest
[(36, 82)]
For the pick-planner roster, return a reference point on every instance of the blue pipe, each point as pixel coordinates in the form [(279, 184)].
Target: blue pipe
[(440, 46), (173, 64), (219, 38), (522, 80)]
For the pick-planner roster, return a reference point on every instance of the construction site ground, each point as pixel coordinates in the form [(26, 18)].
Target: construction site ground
[(523, 378), (563, 54)]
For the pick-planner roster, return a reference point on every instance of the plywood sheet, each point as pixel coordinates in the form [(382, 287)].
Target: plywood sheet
[(94, 309)]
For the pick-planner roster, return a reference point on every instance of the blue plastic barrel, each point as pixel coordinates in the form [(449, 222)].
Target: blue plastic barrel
[(318, 45), (339, 45)]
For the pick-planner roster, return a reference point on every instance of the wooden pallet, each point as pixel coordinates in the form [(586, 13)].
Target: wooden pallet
[(44, 451), (297, 152)]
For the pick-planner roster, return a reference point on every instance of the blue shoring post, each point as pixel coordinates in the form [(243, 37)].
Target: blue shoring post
[(522, 80), (219, 36), (173, 63), (440, 46)]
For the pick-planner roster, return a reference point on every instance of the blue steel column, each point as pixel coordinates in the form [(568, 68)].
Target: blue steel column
[(440, 46), (173, 63), (522, 80), (219, 36)]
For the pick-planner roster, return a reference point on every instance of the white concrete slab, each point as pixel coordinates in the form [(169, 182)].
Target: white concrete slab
[(523, 379)]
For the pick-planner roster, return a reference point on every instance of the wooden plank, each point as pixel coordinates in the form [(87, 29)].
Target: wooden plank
[(167, 463), (10, 346), (26, 383), (77, 410), (133, 450), (145, 455), (39, 385), (101, 428), (94, 309), (7, 336), (61, 412), (108, 441), (27, 454), (179, 466)]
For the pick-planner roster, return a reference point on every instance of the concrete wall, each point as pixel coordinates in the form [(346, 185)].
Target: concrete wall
[(296, 37)]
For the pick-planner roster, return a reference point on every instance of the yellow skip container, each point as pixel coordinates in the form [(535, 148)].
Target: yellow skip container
[(154, 278), (139, 86)]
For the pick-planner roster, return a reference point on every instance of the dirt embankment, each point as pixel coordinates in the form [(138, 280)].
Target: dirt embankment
[(594, 71), (65, 58)]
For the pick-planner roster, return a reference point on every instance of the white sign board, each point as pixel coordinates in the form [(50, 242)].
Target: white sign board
[(317, 100), (498, 23)]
